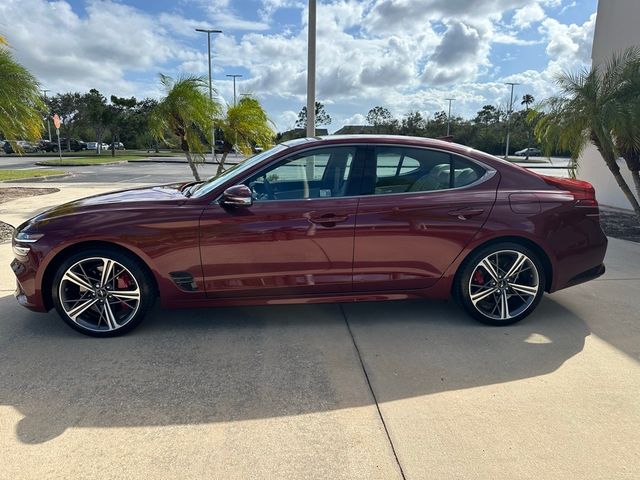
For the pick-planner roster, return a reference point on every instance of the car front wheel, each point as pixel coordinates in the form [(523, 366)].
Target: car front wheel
[(102, 292), (501, 284)]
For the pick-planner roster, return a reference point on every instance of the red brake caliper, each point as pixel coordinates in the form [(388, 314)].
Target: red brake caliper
[(124, 283), (478, 277)]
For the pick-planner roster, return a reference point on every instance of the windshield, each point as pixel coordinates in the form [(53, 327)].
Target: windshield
[(215, 182)]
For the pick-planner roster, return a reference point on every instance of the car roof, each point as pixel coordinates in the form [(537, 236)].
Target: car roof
[(369, 138)]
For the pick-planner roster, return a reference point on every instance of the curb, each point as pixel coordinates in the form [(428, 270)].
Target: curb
[(176, 161), (42, 164), (41, 178)]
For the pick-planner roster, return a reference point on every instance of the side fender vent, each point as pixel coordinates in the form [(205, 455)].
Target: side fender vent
[(184, 281)]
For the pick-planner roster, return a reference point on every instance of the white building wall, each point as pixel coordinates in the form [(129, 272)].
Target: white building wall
[(616, 29)]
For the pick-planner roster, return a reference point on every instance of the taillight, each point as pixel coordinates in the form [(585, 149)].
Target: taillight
[(583, 192)]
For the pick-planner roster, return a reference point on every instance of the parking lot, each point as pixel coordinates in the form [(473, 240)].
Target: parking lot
[(411, 389)]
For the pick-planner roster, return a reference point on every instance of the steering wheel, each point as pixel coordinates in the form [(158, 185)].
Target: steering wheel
[(268, 189)]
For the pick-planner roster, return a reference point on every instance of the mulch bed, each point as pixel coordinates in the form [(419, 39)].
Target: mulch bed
[(620, 224), (13, 193)]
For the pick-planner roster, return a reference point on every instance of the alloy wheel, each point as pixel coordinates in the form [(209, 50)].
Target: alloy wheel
[(504, 284), (99, 294)]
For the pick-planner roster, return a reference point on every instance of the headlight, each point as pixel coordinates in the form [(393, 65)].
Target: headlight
[(21, 241), (26, 237)]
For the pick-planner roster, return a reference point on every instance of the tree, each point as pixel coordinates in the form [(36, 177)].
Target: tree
[(247, 125), (626, 131), (413, 124), (97, 114), (69, 107), (120, 112), (380, 118), (592, 106), (322, 117), (187, 112), (488, 115), (21, 104), (527, 99)]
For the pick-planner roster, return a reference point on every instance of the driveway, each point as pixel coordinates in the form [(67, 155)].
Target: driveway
[(373, 390)]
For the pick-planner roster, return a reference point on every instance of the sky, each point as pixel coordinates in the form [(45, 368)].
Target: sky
[(402, 54)]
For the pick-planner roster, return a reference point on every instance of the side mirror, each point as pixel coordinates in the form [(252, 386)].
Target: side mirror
[(237, 196)]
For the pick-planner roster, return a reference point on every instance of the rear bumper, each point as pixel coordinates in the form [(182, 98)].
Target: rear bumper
[(587, 275), (581, 257)]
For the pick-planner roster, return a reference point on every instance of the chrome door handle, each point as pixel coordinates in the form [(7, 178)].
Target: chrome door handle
[(328, 219), (466, 213)]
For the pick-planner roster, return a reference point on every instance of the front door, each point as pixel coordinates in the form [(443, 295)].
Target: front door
[(296, 238), (420, 208)]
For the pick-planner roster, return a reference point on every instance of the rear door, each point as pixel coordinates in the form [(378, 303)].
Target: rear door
[(420, 208)]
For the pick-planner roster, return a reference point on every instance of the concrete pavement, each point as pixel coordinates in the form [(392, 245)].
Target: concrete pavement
[(281, 392)]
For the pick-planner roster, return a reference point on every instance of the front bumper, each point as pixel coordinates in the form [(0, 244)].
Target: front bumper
[(28, 292)]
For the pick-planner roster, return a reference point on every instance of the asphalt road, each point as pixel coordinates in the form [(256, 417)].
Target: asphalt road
[(388, 390)]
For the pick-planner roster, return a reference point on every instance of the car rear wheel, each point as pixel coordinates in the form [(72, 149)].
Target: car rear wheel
[(102, 292), (501, 284)]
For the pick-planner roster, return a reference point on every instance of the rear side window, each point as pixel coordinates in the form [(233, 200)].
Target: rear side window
[(465, 171), (405, 169)]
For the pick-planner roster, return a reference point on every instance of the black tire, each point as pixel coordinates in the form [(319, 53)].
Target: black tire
[(481, 309), (125, 313)]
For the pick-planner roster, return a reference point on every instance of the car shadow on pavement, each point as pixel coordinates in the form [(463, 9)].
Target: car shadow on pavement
[(232, 364)]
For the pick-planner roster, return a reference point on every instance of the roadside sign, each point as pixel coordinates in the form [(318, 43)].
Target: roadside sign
[(56, 123)]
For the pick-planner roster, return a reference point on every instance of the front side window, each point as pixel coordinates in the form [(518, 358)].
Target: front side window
[(319, 173)]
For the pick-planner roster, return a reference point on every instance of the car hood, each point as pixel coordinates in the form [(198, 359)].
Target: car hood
[(147, 197)]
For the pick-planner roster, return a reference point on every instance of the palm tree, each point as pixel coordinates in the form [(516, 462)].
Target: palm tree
[(187, 112), (527, 99), (626, 131), (592, 106), (247, 125), (21, 103)]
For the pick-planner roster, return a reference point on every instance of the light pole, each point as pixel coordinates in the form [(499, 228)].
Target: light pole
[(213, 127), (449, 115), (311, 71), (234, 76), (506, 152), (48, 123)]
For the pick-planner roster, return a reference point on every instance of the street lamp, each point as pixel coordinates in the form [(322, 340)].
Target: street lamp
[(311, 71), (213, 127), (449, 115), (48, 123), (506, 152), (234, 76)]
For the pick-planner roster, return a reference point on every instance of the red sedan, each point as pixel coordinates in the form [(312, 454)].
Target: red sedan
[(334, 219)]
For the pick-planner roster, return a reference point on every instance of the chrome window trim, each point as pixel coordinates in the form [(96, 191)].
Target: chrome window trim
[(490, 172)]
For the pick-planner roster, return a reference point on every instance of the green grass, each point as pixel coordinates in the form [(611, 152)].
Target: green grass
[(31, 173), (85, 161), (85, 153)]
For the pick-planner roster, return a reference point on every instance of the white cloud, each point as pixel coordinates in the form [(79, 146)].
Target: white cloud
[(458, 57), (70, 52), (527, 15), (403, 54)]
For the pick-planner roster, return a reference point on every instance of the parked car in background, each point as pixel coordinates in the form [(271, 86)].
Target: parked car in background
[(117, 145), (94, 146), (531, 151), (76, 145), (333, 219), (22, 146)]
